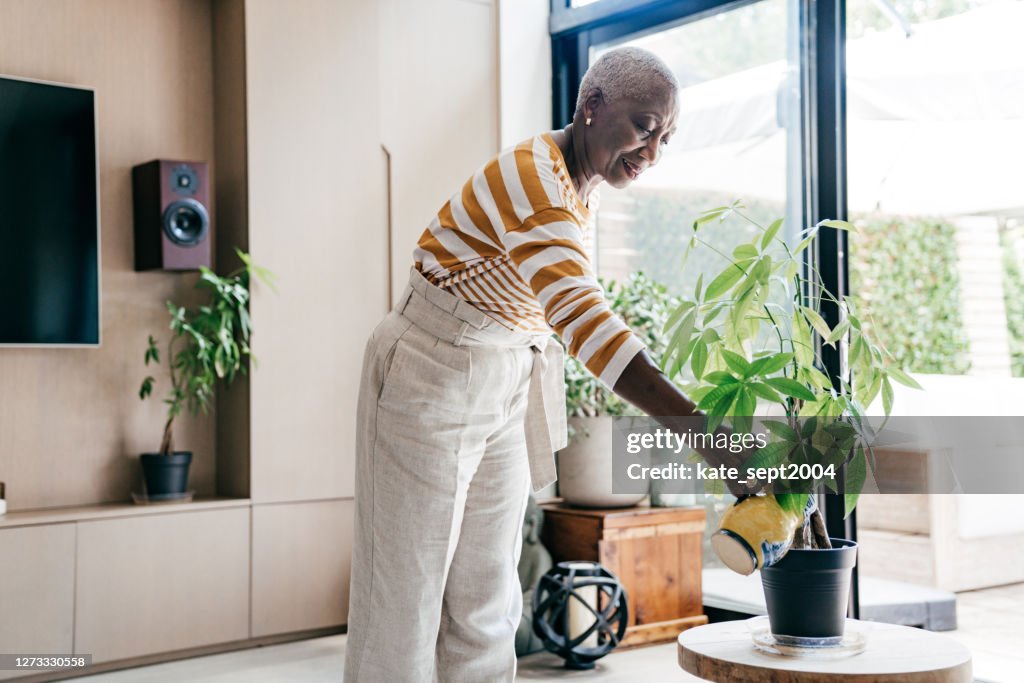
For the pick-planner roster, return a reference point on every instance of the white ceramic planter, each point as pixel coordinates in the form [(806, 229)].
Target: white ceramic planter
[(585, 467)]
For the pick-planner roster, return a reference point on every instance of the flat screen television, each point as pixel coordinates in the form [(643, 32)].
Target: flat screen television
[(49, 215)]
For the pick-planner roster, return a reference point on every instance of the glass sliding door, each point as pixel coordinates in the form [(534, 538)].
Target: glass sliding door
[(935, 121)]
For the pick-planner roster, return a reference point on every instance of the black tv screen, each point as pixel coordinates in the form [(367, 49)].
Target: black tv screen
[(49, 220)]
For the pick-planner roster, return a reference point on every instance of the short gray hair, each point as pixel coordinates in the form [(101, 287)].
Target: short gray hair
[(627, 72)]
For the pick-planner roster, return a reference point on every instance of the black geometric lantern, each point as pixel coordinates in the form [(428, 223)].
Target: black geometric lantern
[(580, 612)]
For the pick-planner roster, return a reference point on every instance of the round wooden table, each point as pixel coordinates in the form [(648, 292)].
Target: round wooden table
[(893, 654)]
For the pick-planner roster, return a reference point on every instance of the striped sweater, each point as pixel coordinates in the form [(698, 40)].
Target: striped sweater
[(513, 243)]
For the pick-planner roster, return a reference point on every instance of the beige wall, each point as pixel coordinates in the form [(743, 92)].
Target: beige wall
[(525, 58), (316, 218), (71, 425), (439, 108)]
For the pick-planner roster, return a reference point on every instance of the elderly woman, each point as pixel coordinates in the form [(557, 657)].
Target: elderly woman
[(462, 399)]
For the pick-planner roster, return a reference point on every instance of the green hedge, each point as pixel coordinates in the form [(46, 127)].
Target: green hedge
[(1012, 239), (903, 273)]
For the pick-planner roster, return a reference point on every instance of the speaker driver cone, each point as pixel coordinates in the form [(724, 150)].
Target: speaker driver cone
[(186, 222)]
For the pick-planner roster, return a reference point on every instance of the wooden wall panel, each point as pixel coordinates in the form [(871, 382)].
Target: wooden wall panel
[(162, 582), (302, 556), (231, 169), (71, 424), (316, 218)]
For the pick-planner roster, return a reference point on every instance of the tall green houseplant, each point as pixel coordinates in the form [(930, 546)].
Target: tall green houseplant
[(748, 337), (208, 343)]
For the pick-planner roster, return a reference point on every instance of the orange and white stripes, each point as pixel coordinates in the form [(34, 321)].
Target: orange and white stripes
[(514, 243)]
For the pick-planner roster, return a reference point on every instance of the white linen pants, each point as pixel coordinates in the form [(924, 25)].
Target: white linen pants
[(442, 482)]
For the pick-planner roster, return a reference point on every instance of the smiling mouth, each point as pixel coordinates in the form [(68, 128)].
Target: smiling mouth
[(632, 170)]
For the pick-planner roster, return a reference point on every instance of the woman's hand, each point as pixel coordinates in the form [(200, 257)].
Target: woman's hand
[(644, 385)]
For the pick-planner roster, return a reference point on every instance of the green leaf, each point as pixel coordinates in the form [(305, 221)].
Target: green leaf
[(765, 392), (772, 455), (769, 235), (680, 311), (743, 412), (867, 396), (699, 358), (903, 378), (856, 348), (696, 290), (803, 349), (808, 428), (709, 215), (817, 322), (725, 280), (769, 364), (720, 377), (782, 429), (680, 344), (886, 395), (839, 332), (736, 362), (856, 475), (711, 401), (793, 503), (790, 387), (804, 243), (745, 252), (713, 313), (740, 309), (814, 376), (839, 225), (677, 365)]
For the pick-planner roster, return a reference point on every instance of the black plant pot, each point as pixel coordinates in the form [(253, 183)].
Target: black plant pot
[(165, 475), (808, 590)]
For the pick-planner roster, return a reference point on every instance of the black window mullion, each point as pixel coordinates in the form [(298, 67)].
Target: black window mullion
[(825, 95)]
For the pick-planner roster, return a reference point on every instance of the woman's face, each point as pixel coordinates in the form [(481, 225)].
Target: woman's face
[(627, 137)]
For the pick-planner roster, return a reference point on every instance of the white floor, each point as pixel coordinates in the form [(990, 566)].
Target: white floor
[(321, 661), (991, 625)]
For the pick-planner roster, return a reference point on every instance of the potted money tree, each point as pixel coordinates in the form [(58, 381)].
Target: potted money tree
[(208, 343), (749, 342)]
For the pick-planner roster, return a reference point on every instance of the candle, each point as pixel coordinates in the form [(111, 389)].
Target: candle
[(580, 617)]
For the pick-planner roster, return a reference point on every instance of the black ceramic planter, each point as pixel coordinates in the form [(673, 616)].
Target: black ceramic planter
[(808, 590), (165, 475)]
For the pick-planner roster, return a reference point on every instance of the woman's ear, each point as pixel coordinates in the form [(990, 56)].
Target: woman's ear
[(593, 102)]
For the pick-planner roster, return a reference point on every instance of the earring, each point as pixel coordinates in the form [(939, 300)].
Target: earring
[(589, 120)]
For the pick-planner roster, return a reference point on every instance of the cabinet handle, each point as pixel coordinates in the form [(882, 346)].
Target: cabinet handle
[(389, 253)]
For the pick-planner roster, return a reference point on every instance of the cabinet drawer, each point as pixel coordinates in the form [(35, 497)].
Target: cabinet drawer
[(161, 582), (37, 582)]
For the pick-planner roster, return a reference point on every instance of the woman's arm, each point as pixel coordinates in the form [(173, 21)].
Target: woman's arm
[(644, 385)]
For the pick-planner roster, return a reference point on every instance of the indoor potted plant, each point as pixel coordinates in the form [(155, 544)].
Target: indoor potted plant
[(748, 338), (208, 342), (584, 465)]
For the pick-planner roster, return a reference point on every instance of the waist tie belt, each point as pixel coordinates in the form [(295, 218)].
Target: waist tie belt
[(457, 322)]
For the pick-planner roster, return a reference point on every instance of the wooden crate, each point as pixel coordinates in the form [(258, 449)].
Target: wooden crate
[(655, 552)]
